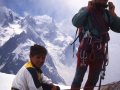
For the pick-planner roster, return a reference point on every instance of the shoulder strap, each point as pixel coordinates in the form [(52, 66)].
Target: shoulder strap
[(34, 73), (108, 16)]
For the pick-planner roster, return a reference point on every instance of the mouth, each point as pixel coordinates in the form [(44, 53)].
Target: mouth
[(40, 64)]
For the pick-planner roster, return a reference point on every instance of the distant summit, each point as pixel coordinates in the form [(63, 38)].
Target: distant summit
[(7, 16)]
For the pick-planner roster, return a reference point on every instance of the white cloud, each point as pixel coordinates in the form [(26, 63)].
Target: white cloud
[(26, 14)]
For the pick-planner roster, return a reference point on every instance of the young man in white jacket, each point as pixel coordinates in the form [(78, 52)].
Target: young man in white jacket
[(30, 76)]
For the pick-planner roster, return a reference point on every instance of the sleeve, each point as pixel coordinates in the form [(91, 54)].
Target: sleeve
[(19, 81), (115, 23), (46, 79), (80, 18)]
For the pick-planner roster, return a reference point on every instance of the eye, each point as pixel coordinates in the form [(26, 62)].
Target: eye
[(43, 57), (38, 57)]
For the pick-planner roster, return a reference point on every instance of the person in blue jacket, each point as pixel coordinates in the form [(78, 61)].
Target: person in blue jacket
[(94, 21)]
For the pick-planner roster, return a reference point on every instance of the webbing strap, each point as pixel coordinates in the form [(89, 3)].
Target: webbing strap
[(79, 32)]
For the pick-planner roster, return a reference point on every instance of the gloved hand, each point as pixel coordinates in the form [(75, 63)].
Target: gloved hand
[(55, 88), (112, 9), (90, 6)]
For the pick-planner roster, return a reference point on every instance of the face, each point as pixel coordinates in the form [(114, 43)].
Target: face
[(38, 60), (104, 2)]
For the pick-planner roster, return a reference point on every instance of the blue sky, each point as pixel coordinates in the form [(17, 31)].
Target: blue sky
[(58, 9), (54, 8)]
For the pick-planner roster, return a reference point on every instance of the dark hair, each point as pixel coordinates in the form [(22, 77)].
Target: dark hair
[(37, 49)]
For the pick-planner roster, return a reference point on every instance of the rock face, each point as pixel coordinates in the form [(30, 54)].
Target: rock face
[(111, 86)]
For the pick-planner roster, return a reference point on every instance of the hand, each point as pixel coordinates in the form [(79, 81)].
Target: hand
[(55, 87), (90, 5), (111, 8)]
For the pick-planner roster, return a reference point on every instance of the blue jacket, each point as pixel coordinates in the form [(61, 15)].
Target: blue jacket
[(83, 19)]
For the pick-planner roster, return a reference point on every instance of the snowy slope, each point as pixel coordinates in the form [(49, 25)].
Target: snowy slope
[(6, 80), (8, 32)]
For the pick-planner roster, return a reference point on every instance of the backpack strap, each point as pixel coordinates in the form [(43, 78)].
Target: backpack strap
[(108, 16), (34, 73)]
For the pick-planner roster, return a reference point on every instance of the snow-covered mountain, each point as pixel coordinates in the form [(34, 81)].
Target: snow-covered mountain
[(17, 34), (7, 16)]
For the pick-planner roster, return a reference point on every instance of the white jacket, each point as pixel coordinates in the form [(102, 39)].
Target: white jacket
[(26, 78)]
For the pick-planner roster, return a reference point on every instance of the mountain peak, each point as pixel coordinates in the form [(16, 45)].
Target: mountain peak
[(7, 16)]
